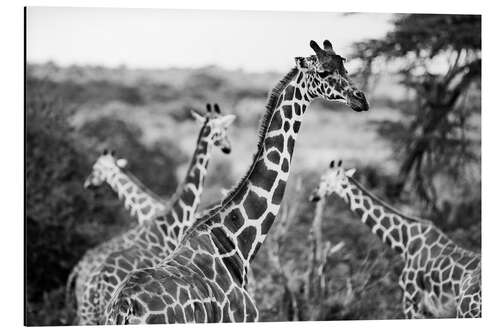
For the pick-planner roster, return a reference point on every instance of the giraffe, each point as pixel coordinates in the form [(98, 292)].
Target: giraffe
[(205, 278), (141, 203), (439, 278), (157, 237), (138, 200)]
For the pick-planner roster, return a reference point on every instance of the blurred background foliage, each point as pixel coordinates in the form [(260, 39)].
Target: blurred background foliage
[(418, 147)]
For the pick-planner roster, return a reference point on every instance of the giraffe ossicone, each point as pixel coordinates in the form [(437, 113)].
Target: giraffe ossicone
[(439, 278), (204, 279), (151, 242)]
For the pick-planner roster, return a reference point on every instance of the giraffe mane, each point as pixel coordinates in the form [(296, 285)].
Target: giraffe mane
[(263, 127), (208, 208), (272, 100), (388, 207)]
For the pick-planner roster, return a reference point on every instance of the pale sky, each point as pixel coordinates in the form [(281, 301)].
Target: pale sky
[(155, 38)]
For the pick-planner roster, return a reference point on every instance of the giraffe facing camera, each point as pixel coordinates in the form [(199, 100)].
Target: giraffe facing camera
[(331, 180), (217, 124)]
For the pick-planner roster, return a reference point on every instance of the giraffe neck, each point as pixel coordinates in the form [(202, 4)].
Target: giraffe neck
[(391, 226), (187, 198), (239, 226), (137, 199)]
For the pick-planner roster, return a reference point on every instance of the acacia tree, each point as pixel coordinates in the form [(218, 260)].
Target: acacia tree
[(438, 58)]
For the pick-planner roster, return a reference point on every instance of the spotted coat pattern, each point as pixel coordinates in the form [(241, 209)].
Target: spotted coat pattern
[(150, 243), (141, 203), (204, 279), (437, 274)]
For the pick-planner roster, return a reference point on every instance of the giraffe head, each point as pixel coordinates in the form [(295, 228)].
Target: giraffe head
[(216, 125), (335, 179), (106, 165), (327, 78)]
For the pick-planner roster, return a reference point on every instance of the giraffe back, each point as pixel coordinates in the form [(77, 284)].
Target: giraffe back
[(182, 290)]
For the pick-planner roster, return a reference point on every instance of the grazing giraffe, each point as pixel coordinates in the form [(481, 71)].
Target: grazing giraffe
[(157, 238), (439, 277), (138, 200), (204, 279)]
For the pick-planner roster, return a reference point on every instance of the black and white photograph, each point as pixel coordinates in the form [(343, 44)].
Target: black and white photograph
[(214, 166)]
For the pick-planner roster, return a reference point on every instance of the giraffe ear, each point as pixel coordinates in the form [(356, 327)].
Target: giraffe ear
[(228, 120), (121, 163), (350, 172), (197, 117)]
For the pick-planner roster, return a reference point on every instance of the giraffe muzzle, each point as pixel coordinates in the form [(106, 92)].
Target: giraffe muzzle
[(357, 101)]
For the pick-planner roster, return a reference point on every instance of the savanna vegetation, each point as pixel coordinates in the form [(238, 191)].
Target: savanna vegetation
[(420, 150)]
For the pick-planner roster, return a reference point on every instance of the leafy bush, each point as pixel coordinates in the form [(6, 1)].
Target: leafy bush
[(54, 194)]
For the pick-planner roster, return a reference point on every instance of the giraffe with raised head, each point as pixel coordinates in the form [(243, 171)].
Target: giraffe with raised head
[(205, 278), (141, 203), (155, 239), (439, 278)]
